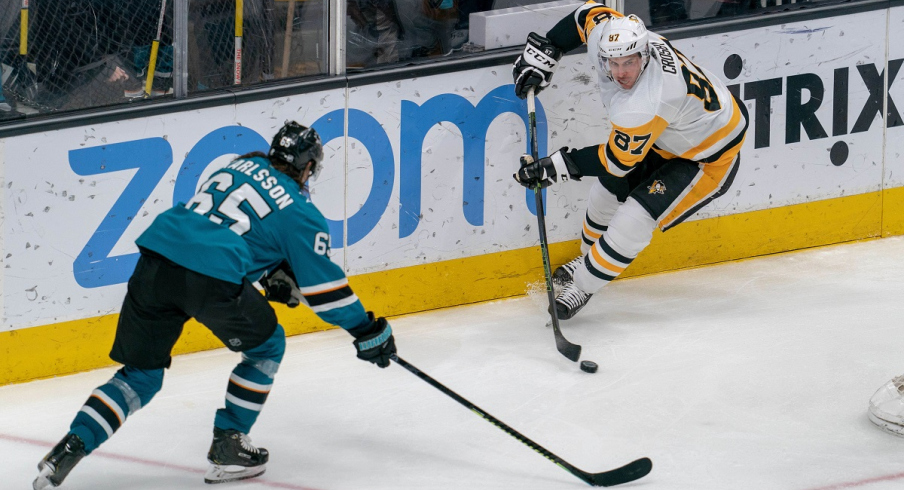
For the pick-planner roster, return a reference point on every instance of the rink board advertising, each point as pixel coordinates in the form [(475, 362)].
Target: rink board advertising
[(417, 184)]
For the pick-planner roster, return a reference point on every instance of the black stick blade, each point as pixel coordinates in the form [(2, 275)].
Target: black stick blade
[(627, 473), (566, 348)]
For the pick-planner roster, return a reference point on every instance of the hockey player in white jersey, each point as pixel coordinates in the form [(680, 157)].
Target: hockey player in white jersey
[(675, 142)]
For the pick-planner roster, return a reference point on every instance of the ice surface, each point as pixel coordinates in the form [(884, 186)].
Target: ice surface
[(749, 375)]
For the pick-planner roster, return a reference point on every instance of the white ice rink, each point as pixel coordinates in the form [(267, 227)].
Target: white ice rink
[(749, 375)]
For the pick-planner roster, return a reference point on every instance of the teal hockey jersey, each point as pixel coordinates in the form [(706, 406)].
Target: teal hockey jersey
[(244, 221)]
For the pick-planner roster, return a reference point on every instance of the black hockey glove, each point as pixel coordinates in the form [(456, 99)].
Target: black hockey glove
[(280, 286), (374, 341), (535, 66), (547, 170)]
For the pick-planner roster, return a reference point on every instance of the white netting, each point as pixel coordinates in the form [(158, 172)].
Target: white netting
[(88, 53)]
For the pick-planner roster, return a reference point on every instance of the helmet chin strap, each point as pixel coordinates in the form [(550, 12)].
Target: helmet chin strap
[(311, 171)]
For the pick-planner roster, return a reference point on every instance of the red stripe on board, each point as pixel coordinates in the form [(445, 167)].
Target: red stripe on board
[(148, 462)]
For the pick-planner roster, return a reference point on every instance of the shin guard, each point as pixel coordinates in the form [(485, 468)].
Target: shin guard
[(629, 232), (112, 403), (250, 383)]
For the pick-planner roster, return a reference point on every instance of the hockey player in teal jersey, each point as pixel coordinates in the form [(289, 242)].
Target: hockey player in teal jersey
[(252, 221)]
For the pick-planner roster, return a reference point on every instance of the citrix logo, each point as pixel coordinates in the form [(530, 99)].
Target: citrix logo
[(802, 115)]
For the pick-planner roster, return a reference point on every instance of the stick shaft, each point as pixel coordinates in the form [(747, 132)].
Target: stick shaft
[(493, 420), (566, 348), (237, 53), (155, 47), (23, 29), (287, 39)]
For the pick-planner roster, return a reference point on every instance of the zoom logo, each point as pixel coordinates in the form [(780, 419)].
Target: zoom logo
[(149, 160)]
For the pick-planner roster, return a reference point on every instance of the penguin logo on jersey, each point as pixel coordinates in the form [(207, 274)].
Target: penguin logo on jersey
[(657, 187)]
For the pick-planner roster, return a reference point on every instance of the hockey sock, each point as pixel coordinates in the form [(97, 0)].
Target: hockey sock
[(111, 403), (629, 232), (602, 206), (250, 383), (591, 233)]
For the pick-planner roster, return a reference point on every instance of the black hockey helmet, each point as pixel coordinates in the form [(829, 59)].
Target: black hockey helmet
[(297, 145)]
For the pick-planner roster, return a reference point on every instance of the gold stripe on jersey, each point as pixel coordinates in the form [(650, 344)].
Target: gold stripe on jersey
[(709, 182), (325, 287), (720, 134), (628, 146), (664, 154), (323, 291), (590, 15)]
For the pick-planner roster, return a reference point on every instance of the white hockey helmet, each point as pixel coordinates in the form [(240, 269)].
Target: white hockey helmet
[(623, 36)]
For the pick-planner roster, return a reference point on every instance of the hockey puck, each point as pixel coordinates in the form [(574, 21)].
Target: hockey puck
[(588, 366)]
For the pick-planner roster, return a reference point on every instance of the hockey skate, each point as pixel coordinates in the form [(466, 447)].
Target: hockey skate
[(564, 274), (232, 457), (59, 462), (570, 301), (886, 407)]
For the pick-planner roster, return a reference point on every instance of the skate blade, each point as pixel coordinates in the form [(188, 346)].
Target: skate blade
[(42, 482), (228, 473), (890, 427)]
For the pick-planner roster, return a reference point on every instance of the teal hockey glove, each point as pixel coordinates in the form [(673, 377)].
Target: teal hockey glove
[(374, 341)]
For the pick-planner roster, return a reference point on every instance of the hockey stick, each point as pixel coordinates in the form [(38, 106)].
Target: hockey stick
[(155, 47), (287, 39), (566, 348), (23, 29), (237, 50), (627, 473)]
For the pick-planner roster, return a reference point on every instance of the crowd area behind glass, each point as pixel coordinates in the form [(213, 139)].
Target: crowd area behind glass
[(67, 55)]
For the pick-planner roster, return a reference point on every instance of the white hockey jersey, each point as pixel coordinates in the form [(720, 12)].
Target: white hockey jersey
[(675, 108)]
